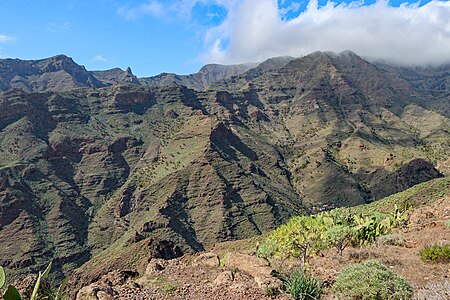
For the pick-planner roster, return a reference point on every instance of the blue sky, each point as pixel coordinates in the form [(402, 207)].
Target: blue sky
[(181, 35)]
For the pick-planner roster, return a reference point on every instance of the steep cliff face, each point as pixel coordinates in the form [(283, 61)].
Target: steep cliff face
[(52, 74), (105, 177)]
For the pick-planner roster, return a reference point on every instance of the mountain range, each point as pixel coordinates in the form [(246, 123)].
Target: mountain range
[(102, 169)]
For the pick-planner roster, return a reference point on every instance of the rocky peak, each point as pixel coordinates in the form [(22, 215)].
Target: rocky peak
[(59, 72), (268, 65)]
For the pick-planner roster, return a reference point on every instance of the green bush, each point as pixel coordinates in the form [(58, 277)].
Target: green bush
[(339, 237), (302, 236), (299, 238), (371, 280), (269, 291), (303, 286), (435, 254), (447, 224), (368, 228)]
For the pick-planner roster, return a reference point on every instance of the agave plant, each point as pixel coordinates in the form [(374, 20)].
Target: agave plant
[(12, 293)]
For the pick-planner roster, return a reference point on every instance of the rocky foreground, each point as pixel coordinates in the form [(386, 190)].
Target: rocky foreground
[(223, 273)]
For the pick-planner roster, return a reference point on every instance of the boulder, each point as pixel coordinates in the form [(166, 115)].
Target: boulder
[(154, 266), (256, 267), (96, 291), (224, 278), (207, 259)]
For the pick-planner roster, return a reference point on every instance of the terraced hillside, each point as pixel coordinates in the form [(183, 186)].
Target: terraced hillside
[(115, 172)]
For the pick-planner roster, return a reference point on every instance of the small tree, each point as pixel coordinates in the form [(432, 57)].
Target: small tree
[(307, 237), (298, 238), (339, 236)]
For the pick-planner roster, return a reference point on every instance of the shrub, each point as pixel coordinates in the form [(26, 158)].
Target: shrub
[(299, 238), (303, 286), (339, 236), (223, 260), (435, 254), (267, 249), (269, 291), (302, 236), (371, 280), (391, 240), (447, 224)]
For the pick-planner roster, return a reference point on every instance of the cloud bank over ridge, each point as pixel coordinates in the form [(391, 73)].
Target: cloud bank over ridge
[(406, 35)]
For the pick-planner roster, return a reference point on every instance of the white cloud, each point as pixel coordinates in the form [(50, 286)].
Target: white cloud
[(6, 39), (99, 58), (255, 30), (153, 8)]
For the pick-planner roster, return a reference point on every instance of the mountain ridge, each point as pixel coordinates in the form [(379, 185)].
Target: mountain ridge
[(90, 173)]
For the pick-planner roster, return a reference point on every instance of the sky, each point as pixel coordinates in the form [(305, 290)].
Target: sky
[(179, 36)]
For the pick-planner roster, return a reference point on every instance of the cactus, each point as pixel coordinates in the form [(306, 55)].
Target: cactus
[(11, 294)]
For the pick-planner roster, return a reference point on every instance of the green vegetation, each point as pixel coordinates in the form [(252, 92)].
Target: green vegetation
[(37, 294), (269, 291), (164, 285), (302, 236), (436, 254), (298, 238), (223, 260), (371, 280), (2, 277), (302, 285), (447, 224)]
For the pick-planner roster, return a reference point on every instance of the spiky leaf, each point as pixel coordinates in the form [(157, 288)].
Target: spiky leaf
[(11, 294), (60, 292), (41, 276), (47, 271)]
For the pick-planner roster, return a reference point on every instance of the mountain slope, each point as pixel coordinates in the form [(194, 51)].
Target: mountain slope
[(115, 75), (200, 80), (88, 176), (52, 74)]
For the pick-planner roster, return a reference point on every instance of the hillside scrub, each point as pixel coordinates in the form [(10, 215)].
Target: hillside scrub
[(302, 236), (436, 254), (371, 280)]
